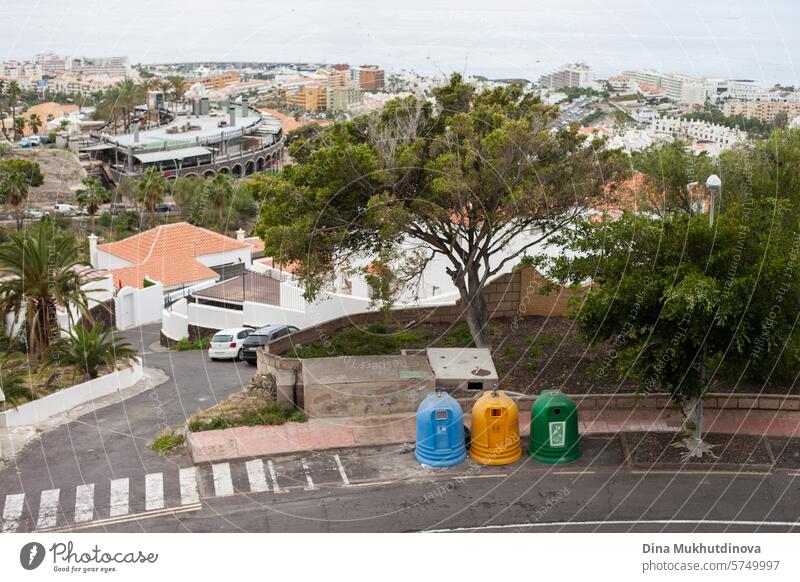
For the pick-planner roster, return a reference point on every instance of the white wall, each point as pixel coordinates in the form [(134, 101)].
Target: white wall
[(174, 325), (61, 402), (108, 261), (213, 317), (232, 256), (136, 307)]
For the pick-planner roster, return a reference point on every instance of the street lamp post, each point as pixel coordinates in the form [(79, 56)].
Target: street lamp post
[(714, 185)]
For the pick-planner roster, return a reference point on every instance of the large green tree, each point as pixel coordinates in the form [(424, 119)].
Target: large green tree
[(463, 178), (686, 304)]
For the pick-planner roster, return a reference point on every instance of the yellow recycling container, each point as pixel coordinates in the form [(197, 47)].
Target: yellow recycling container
[(495, 430)]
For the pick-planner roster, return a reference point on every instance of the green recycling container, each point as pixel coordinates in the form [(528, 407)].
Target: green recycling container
[(554, 428)]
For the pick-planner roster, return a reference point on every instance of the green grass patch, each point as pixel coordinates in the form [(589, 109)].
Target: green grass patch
[(272, 414), (167, 441), (375, 340), (459, 337), (510, 352), (536, 345), (187, 344)]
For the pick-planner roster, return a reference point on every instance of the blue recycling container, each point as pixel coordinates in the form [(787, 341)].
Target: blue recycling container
[(440, 431)]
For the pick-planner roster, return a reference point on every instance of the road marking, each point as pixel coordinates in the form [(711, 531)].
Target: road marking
[(256, 476), (119, 497), (84, 503), (694, 472), (274, 477), (189, 492), (223, 485), (12, 512), (48, 508), (573, 472), (154, 491), (493, 476), (130, 518), (345, 480), (310, 486), (534, 525)]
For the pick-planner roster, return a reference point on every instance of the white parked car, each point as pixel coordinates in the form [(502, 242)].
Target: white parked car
[(66, 209), (33, 213), (227, 343)]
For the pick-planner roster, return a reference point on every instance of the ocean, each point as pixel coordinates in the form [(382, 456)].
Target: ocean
[(503, 38)]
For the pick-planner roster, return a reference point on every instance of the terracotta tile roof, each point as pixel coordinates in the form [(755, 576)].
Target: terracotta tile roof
[(286, 267), (256, 243), (168, 254)]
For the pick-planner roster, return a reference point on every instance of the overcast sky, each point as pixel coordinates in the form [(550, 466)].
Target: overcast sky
[(729, 38)]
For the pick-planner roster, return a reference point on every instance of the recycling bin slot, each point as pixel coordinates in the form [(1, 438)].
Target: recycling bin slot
[(474, 385)]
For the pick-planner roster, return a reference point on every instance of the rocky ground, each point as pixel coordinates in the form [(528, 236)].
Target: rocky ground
[(61, 170)]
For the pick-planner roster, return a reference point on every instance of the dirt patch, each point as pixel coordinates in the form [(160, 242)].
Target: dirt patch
[(530, 354), (656, 448), (61, 170), (786, 451)]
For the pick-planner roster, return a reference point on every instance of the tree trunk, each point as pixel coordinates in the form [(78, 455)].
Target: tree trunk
[(476, 314)]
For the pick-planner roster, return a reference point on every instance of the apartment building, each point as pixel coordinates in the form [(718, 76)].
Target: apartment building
[(98, 66), (342, 98), (680, 88), (696, 131), (764, 111), (311, 97), (368, 77), (570, 75)]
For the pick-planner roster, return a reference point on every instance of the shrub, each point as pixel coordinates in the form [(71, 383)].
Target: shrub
[(167, 441), (187, 344), (271, 414), (459, 337)]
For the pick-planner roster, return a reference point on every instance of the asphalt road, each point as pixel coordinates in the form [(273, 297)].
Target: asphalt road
[(97, 474), (112, 442)]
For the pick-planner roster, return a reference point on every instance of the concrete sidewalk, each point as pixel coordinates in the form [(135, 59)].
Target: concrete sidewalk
[(338, 433)]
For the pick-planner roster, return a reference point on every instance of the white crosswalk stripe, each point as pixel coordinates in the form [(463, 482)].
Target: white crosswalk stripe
[(306, 470), (48, 509), (120, 497), (342, 473), (189, 492), (262, 475), (223, 485), (84, 503), (256, 476), (154, 491), (274, 477), (12, 511)]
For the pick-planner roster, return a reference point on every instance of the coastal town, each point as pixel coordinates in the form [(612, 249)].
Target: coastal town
[(255, 296)]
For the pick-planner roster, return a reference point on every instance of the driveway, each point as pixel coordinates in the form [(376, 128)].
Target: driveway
[(110, 443)]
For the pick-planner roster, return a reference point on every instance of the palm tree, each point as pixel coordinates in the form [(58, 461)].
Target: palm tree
[(91, 348), (40, 266), (152, 186), (219, 191), (35, 123), (92, 196), (177, 87), (14, 187), (13, 96), (19, 127), (13, 385)]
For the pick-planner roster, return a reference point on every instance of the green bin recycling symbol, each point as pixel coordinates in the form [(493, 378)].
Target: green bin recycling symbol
[(558, 431)]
